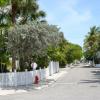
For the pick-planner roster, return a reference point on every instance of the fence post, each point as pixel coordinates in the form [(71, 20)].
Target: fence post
[(6, 79), (2, 79), (53, 67), (25, 77), (50, 68), (57, 66), (40, 74), (15, 78)]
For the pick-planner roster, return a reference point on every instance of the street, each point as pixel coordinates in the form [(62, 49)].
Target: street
[(80, 83)]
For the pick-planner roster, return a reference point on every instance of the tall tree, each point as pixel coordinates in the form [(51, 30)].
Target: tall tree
[(30, 10), (19, 12), (91, 42), (26, 41), (23, 10)]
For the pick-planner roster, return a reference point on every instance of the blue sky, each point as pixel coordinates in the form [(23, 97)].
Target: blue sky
[(75, 17)]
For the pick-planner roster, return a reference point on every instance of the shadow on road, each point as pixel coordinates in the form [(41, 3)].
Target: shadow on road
[(90, 81), (94, 73), (87, 66)]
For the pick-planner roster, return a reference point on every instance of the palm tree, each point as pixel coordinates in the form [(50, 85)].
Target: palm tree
[(91, 37), (23, 9), (27, 10), (91, 42)]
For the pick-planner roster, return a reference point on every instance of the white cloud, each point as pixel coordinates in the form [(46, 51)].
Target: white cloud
[(67, 9), (77, 18)]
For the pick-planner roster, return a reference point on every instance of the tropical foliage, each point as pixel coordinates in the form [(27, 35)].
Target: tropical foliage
[(26, 41), (4, 56), (20, 11), (92, 43), (25, 36)]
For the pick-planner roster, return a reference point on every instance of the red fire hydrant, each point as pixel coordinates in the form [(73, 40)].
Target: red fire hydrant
[(36, 80)]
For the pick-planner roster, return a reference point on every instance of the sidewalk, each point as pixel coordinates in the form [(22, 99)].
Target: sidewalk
[(44, 83), (62, 72)]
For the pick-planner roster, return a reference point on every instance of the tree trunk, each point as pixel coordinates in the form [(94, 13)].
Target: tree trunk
[(14, 11), (13, 63)]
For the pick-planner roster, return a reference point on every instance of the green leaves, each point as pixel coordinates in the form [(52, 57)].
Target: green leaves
[(91, 43), (65, 52), (20, 11), (3, 2), (28, 38), (74, 52), (4, 57), (33, 39)]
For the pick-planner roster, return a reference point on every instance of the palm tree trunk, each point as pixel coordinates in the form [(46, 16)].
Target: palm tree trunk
[(14, 11)]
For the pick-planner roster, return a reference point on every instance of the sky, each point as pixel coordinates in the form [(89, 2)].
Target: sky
[(74, 17)]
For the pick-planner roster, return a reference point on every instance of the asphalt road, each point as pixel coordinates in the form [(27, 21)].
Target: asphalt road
[(80, 83)]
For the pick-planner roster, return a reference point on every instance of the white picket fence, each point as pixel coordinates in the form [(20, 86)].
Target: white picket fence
[(97, 65), (27, 77)]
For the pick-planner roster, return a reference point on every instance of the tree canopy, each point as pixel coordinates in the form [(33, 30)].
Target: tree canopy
[(26, 36), (92, 43)]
